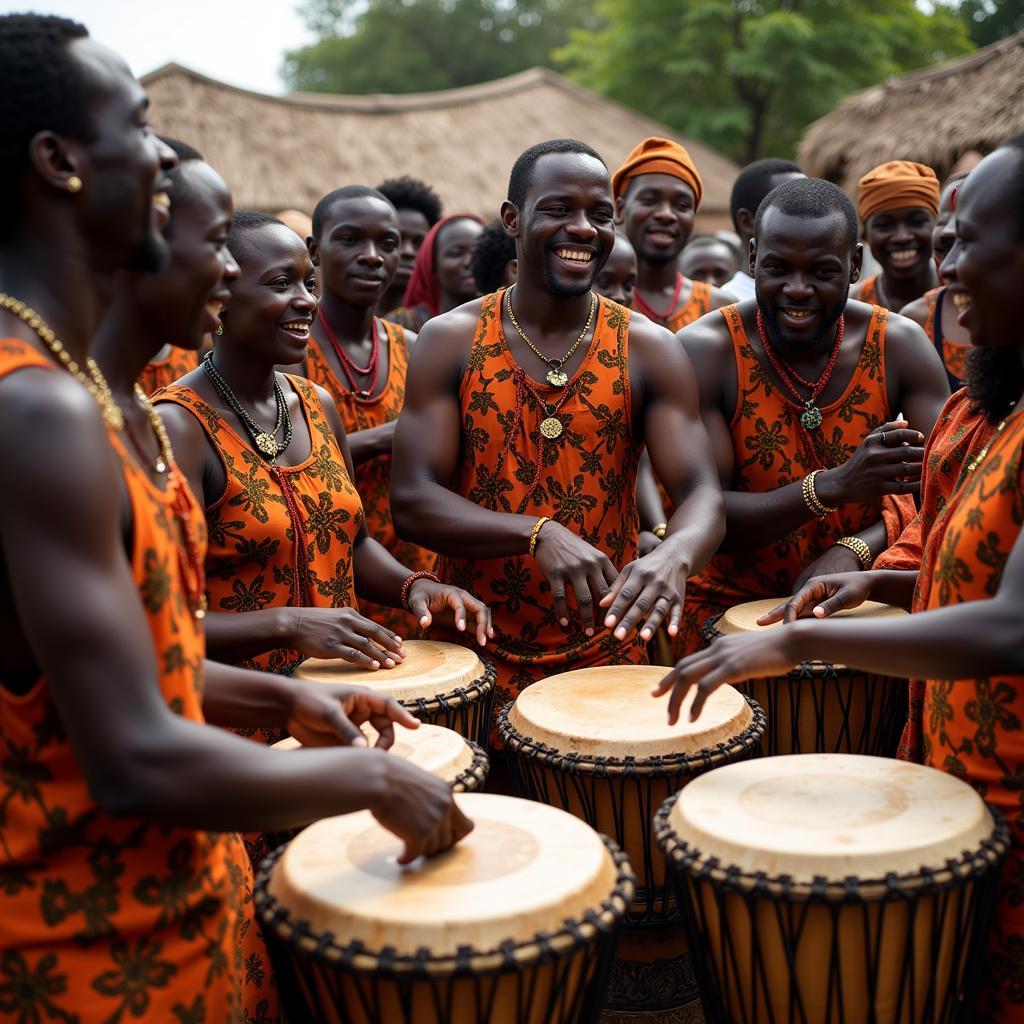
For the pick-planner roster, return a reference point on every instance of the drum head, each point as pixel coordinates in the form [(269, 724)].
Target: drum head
[(743, 618), (830, 815), (433, 748), (430, 668), (608, 711), (524, 869)]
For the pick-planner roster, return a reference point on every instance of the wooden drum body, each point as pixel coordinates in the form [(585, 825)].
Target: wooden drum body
[(444, 684), (515, 925), (834, 889), (819, 708)]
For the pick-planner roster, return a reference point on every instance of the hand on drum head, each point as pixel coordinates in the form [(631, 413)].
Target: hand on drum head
[(822, 596), (647, 593), (344, 633), (330, 714), (445, 605), (730, 659), (887, 461), (419, 808), (830, 562)]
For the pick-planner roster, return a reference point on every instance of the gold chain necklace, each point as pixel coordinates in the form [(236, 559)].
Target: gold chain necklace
[(95, 383), (165, 460), (556, 376), (980, 457)]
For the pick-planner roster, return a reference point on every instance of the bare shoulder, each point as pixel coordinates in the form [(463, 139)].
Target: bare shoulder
[(905, 333), (708, 336), (720, 298), (409, 337), (443, 343), (917, 311), (647, 336)]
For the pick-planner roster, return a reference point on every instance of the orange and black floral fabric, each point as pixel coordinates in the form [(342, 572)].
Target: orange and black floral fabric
[(279, 535), (974, 728), (110, 919), (373, 477), (162, 372), (869, 291), (585, 479), (772, 449), (954, 356)]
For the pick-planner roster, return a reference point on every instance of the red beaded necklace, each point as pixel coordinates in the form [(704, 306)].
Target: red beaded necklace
[(653, 314), (811, 417), (348, 364)]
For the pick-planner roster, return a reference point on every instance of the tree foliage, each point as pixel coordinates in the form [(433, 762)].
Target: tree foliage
[(419, 45), (747, 76), (991, 20)]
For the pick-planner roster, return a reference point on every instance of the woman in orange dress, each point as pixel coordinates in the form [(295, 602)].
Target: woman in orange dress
[(966, 636)]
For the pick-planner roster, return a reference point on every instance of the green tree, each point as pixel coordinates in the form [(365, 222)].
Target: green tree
[(417, 45), (991, 20), (747, 76)]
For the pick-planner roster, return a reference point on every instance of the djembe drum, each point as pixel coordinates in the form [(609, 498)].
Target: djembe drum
[(834, 889), (820, 708), (443, 684), (514, 925), (595, 743)]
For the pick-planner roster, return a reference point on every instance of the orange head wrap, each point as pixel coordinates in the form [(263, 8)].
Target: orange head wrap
[(895, 185), (658, 156)]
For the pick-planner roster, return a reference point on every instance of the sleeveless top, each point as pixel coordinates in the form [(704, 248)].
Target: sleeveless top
[(585, 479), (373, 477), (162, 372), (279, 535), (869, 291), (954, 357), (102, 918), (772, 449), (694, 308)]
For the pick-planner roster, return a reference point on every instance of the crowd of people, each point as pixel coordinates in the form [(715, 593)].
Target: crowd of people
[(236, 440)]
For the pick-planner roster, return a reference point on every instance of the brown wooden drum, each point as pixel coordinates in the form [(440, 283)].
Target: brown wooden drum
[(834, 889), (444, 684), (820, 708), (515, 925)]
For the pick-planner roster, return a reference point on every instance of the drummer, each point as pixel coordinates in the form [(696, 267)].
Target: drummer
[(966, 638), (516, 452)]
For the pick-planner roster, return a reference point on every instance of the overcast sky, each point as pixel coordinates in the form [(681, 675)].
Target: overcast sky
[(237, 41)]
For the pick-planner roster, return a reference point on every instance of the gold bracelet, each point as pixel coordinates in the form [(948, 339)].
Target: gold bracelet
[(859, 548), (659, 530), (817, 508), (536, 530)]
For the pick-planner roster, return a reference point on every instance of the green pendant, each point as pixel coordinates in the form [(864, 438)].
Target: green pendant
[(810, 418)]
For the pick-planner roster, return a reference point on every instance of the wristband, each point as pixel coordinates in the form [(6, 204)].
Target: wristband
[(859, 548), (817, 509), (409, 581), (659, 530), (536, 531)]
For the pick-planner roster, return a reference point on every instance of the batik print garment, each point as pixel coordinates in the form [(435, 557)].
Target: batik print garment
[(772, 449), (162, 372), (869, 291), (585, 479), (280, 536), (974, 728), (954, 356), (373, 477), (108, 919)]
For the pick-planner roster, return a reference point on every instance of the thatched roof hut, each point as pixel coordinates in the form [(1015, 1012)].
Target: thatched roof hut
[(287, 151), (933, 116)]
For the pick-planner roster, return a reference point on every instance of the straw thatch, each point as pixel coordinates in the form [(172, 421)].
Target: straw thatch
[(932, 116), (287, 151)]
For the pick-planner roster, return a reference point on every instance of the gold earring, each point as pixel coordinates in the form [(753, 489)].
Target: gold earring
[(220, 329), (74, 183)]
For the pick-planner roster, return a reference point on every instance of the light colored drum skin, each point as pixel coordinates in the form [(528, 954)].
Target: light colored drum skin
[(833, 888), (477, 934), (819, 708), (444, 684)]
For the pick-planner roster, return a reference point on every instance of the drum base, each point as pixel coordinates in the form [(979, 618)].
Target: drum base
[(652, 980)]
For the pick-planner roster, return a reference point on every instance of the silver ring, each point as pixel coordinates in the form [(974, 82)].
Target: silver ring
[(881, 437)]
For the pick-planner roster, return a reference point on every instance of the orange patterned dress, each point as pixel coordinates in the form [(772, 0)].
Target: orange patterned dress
[(110, 919), (279, 535), (585, 479), (694, 308), (373, 477), (162, 372), (772, 449), (869, 291), (974, 728), (954, 356)]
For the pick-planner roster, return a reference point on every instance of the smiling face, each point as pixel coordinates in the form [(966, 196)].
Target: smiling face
[(944, 232), (901, 240), (358, 249), (987, 276), (657, 212), (617, 280), (272, 303), (453, 259), (803, 269)]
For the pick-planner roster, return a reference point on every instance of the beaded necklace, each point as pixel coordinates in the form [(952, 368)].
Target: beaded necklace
[(349, 366), (649, 311)]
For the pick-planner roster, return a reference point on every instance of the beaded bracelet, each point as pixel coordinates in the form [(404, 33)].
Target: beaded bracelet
[(536, 531), (859, 548), (409, 581), (817, 508)]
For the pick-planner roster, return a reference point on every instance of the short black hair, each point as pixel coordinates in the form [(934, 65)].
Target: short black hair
[(322, 208), (407, 193), (1016, 189), (245, 221), (811, 198), (754, 182), (180, 189), (522, 169), (492, 252), (41, 88)]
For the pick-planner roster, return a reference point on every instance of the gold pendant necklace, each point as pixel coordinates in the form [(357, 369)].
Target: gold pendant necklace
[(556, 375)]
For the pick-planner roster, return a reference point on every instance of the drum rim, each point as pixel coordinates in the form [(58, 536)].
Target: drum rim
[(686, 859), (509, 956), (470, 779), (461, 695), (741, 745)]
